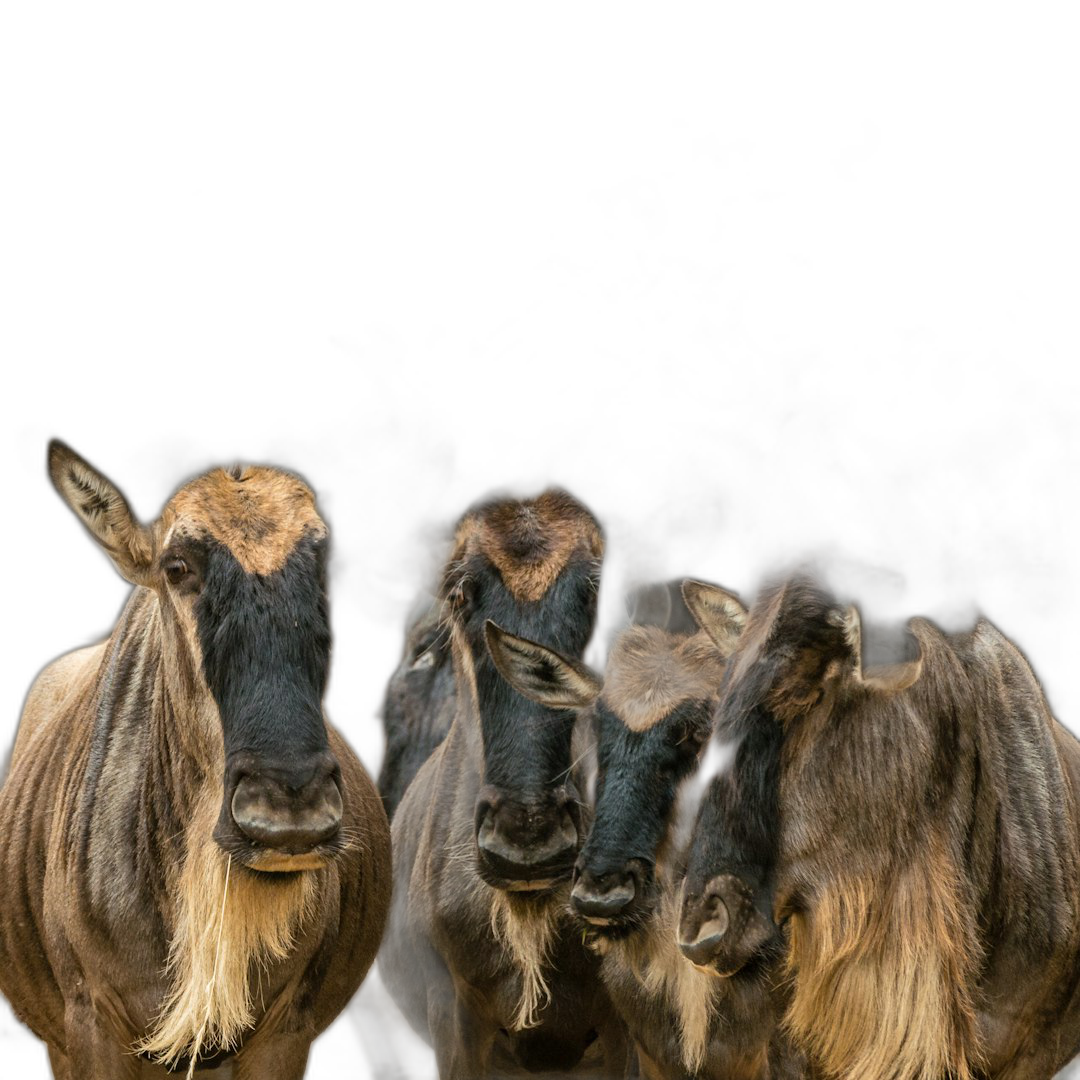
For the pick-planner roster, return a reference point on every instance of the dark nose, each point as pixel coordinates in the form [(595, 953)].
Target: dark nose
[(289, 811), (527, 839), (604, 895), (722, 929)]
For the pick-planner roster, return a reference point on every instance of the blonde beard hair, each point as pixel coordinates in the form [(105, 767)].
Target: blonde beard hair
[(527, 934), (229, 923), (653, 955), (880, 977)]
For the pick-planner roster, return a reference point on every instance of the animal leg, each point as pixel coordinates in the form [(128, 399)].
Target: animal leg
[(94, 1052), (462, 1040), (620, 1060)]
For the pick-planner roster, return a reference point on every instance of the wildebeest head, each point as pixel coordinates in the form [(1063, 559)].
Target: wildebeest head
[(237, 561), (797, 647), (652, 719), (530, 563), (533, 567)]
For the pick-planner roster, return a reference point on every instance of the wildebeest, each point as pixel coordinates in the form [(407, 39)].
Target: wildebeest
[(480, 952), (927, 857), (653, 717), (194, 864)]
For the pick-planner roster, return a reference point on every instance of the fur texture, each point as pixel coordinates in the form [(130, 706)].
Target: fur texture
[(230, 926), (650, 672)]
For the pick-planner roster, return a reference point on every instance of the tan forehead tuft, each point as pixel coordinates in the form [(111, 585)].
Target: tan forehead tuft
[(529, 541), (259, 514), (650, 672)]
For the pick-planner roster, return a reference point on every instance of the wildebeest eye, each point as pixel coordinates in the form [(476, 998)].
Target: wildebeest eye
[(176, 570), (462, 594)]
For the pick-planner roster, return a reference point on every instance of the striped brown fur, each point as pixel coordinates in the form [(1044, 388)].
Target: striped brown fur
[(928, 862)]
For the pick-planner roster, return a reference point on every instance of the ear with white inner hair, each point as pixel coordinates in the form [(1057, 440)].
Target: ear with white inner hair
[(719, 613), (848, 621), (99, 505), (888, 658), (541, 674)]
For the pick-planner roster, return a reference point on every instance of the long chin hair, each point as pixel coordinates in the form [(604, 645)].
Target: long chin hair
[(527, 932), (880, 976), (231, 922)]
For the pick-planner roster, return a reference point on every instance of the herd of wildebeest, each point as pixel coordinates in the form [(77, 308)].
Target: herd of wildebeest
[(737, 853)]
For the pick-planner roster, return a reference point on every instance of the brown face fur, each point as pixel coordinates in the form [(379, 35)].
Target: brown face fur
[(529, 541), (650, 672), (258, 513)]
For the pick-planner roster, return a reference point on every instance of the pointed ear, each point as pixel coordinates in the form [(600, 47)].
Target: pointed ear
[(848, 621), (103, 510), (540, 674), (888, 658), (719, 613)]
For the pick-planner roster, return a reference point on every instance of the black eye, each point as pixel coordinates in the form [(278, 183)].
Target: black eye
[(176, 570)]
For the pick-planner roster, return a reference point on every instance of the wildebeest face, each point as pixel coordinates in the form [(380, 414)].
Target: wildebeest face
[(238, 561), (651, 723), (784, 666), (533, 567), (640, 772)]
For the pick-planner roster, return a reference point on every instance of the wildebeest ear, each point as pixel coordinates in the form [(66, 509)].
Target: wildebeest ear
[(719, 613), (888, 658), (99, 505), (848, 621), (541, 674)]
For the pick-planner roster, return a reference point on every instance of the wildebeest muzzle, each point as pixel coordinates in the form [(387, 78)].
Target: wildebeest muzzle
[(613, 899), (527, 842), (721, 929), (279, 816)]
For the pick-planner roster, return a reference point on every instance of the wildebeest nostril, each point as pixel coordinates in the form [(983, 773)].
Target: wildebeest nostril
[(519, 841), (273, 816), (604, 897)]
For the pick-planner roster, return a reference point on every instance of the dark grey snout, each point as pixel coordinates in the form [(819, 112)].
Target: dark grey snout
[(603, 896), (722, 929), (526, 841), (289, 815)]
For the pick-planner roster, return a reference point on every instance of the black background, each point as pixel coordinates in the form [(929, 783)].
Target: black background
[(848, 323)]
